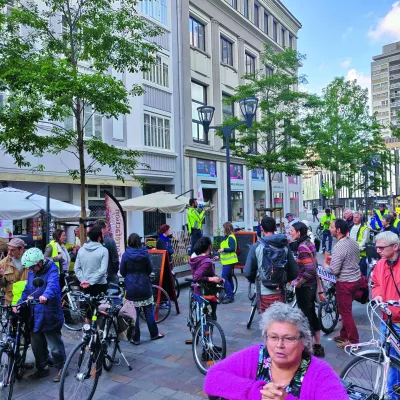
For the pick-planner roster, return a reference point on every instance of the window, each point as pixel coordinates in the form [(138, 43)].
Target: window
[(256, 15), (228, 108), (237, 207), (291, 42), (275, 31), (158, 72), (250, 64), (157, 131), (283, 33), (234, 4), (266, 18), (196, 32), (226, 51), (199, 98), (268, 71), (92, 122), (246, 8), (156, 9)]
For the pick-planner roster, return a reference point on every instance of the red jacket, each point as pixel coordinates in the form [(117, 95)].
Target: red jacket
[(383, 285)]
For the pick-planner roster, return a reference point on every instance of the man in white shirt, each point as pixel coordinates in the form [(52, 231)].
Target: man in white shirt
[(360, 234)]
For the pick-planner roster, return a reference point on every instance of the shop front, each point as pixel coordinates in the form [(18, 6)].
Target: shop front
[(237, 195), (258, 188)]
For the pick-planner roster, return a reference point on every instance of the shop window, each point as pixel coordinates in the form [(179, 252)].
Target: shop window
[(237, 207), (259, 202), (278, 200)]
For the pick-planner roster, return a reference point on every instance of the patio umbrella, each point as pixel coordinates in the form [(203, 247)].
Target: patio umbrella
[(15, 205), (160, 201)]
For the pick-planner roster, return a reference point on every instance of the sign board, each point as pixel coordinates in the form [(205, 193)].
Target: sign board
[(236, 171), (6, 228), (206, 168), (245, 240), (258, 175)]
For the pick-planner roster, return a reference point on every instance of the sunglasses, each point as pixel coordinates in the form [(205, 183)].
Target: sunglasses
[(383, 247)]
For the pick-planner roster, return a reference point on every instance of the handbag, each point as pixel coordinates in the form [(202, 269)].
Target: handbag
[(128, 311)]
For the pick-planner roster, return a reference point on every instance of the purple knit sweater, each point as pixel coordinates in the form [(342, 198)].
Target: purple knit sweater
[(235, 379)]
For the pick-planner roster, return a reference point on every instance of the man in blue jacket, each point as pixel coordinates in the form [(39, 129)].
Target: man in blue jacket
[(47, 317)]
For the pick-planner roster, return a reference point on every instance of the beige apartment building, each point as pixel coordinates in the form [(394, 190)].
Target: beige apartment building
[(225, 41)]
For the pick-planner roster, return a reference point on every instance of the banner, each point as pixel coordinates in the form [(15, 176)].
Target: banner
[(200, 193), (116, 224), (236, 171), (257, 175), (206, 168)]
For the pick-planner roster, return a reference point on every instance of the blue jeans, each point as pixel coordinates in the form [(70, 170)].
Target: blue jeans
[(326, 234), (194, 237), (363, 266), (227, 275), (394, 373), (151, 322), (42, 342)]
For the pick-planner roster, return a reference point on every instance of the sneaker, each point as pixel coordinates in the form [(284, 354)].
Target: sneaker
[(339, 339), (57, 378), (38, 374), (318, 350), (227, 300)]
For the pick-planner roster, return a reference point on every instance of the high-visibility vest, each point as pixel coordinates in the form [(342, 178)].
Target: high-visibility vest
[(380, 216), (396, 222), (54, 253), (363, 253), (228, 258), (194, 219), (17, 289)]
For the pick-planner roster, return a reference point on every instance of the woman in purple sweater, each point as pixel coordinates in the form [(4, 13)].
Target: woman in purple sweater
[(282, 368)]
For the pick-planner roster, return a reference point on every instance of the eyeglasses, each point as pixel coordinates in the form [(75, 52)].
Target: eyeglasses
[(383, 247), (285, 339)]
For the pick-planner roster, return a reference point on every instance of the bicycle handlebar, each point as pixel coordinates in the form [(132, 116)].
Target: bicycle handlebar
[(384, 305)]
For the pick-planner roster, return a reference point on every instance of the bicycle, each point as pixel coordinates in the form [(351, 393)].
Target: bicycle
[(318, 232), (14, 348), (96, 351), (369, 368), (208, 338)]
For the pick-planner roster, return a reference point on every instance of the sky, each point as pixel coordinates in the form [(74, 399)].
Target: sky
[(340, 37)]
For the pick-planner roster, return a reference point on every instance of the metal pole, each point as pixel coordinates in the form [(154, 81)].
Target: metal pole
[(227, 132), (48, 216), (366, 192)]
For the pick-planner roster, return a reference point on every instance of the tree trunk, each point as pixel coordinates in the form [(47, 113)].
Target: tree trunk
[(269, 174), (81, 156)]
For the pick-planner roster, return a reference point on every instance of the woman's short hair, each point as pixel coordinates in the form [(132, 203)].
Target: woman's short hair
[(134, 240), (202, 245), (388, 237), (95, 233), (388, 218), (57, 234), (300, 227), (281, 312), (228, 228), (163, 228)]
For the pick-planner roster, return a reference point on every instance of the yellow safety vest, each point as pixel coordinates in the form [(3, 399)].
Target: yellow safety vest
[(54, 253), (380, 216), (396, 222), (17, 289), (194, 219), (363, 253), (228, 258)]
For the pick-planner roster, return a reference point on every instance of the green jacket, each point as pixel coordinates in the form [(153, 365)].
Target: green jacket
[(326, 221), (195, 219)]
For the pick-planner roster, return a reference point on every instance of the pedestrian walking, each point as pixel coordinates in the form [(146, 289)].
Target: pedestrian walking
[(344, 265), (113, 257), (195, 221), (47, 317), (315, 214), (306, 282), (270, 265), (360, 234), (326, 234), (136, 268)]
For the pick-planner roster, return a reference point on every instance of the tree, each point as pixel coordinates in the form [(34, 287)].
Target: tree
[(56, 64), (327, 191), (346, 136), (274, 142)]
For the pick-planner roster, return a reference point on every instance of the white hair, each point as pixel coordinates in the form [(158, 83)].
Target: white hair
[(388, 237), (282, 312)]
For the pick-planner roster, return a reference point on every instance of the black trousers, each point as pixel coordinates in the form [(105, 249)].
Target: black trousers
[(305, 296)]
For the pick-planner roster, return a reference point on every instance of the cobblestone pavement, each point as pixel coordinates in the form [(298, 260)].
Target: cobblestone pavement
[(165, 369)]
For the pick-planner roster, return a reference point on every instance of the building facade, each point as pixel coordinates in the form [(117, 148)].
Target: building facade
[(225, 41)]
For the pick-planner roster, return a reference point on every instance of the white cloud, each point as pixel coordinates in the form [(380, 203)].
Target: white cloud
[(346, 63), (321, 67), (388, 26), (362, 79), (347, 32)]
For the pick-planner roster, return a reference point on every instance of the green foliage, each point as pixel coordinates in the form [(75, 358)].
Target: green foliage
[(56, 62), (275, 142), (327, 191)]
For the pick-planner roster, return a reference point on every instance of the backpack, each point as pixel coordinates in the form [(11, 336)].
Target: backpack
[(271, 263)]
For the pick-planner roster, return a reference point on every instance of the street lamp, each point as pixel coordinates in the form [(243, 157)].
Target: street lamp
[(248, 107)]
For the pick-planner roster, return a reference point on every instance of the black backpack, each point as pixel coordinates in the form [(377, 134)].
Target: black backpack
[(272, 265)]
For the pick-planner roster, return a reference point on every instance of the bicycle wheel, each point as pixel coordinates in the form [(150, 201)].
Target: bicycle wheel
[(21, 356), (252, 313), (177, 288), (110, 344), (81, 373), (7, 376), (366, 371), (192, 319), (74, 310), (328, 314), (209, 348), (161, 305), (235, 283)]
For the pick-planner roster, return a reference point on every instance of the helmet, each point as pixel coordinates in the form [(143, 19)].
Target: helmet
[(31, 257)]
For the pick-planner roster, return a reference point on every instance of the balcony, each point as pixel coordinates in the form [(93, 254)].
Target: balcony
[(395, 86), (393, 77), (395, 67)]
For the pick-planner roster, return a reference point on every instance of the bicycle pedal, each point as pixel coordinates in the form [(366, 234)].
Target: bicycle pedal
[(189, 341)]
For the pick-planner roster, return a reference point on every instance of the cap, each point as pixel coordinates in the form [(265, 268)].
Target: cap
[(382, 204), (288, 215), (16, 242), (31, 257)]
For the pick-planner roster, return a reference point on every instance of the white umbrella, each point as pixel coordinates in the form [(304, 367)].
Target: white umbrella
[(15, 205)]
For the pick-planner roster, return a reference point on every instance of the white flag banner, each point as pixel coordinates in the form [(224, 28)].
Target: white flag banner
[(200, 193)]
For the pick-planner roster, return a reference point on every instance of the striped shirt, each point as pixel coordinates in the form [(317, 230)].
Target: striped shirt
[(307, 262), (345, 259)]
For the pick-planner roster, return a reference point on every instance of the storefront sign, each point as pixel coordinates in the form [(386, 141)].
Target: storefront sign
[(237, 171), (258, 175), (6, 228), (206, 168), (115, 222)]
